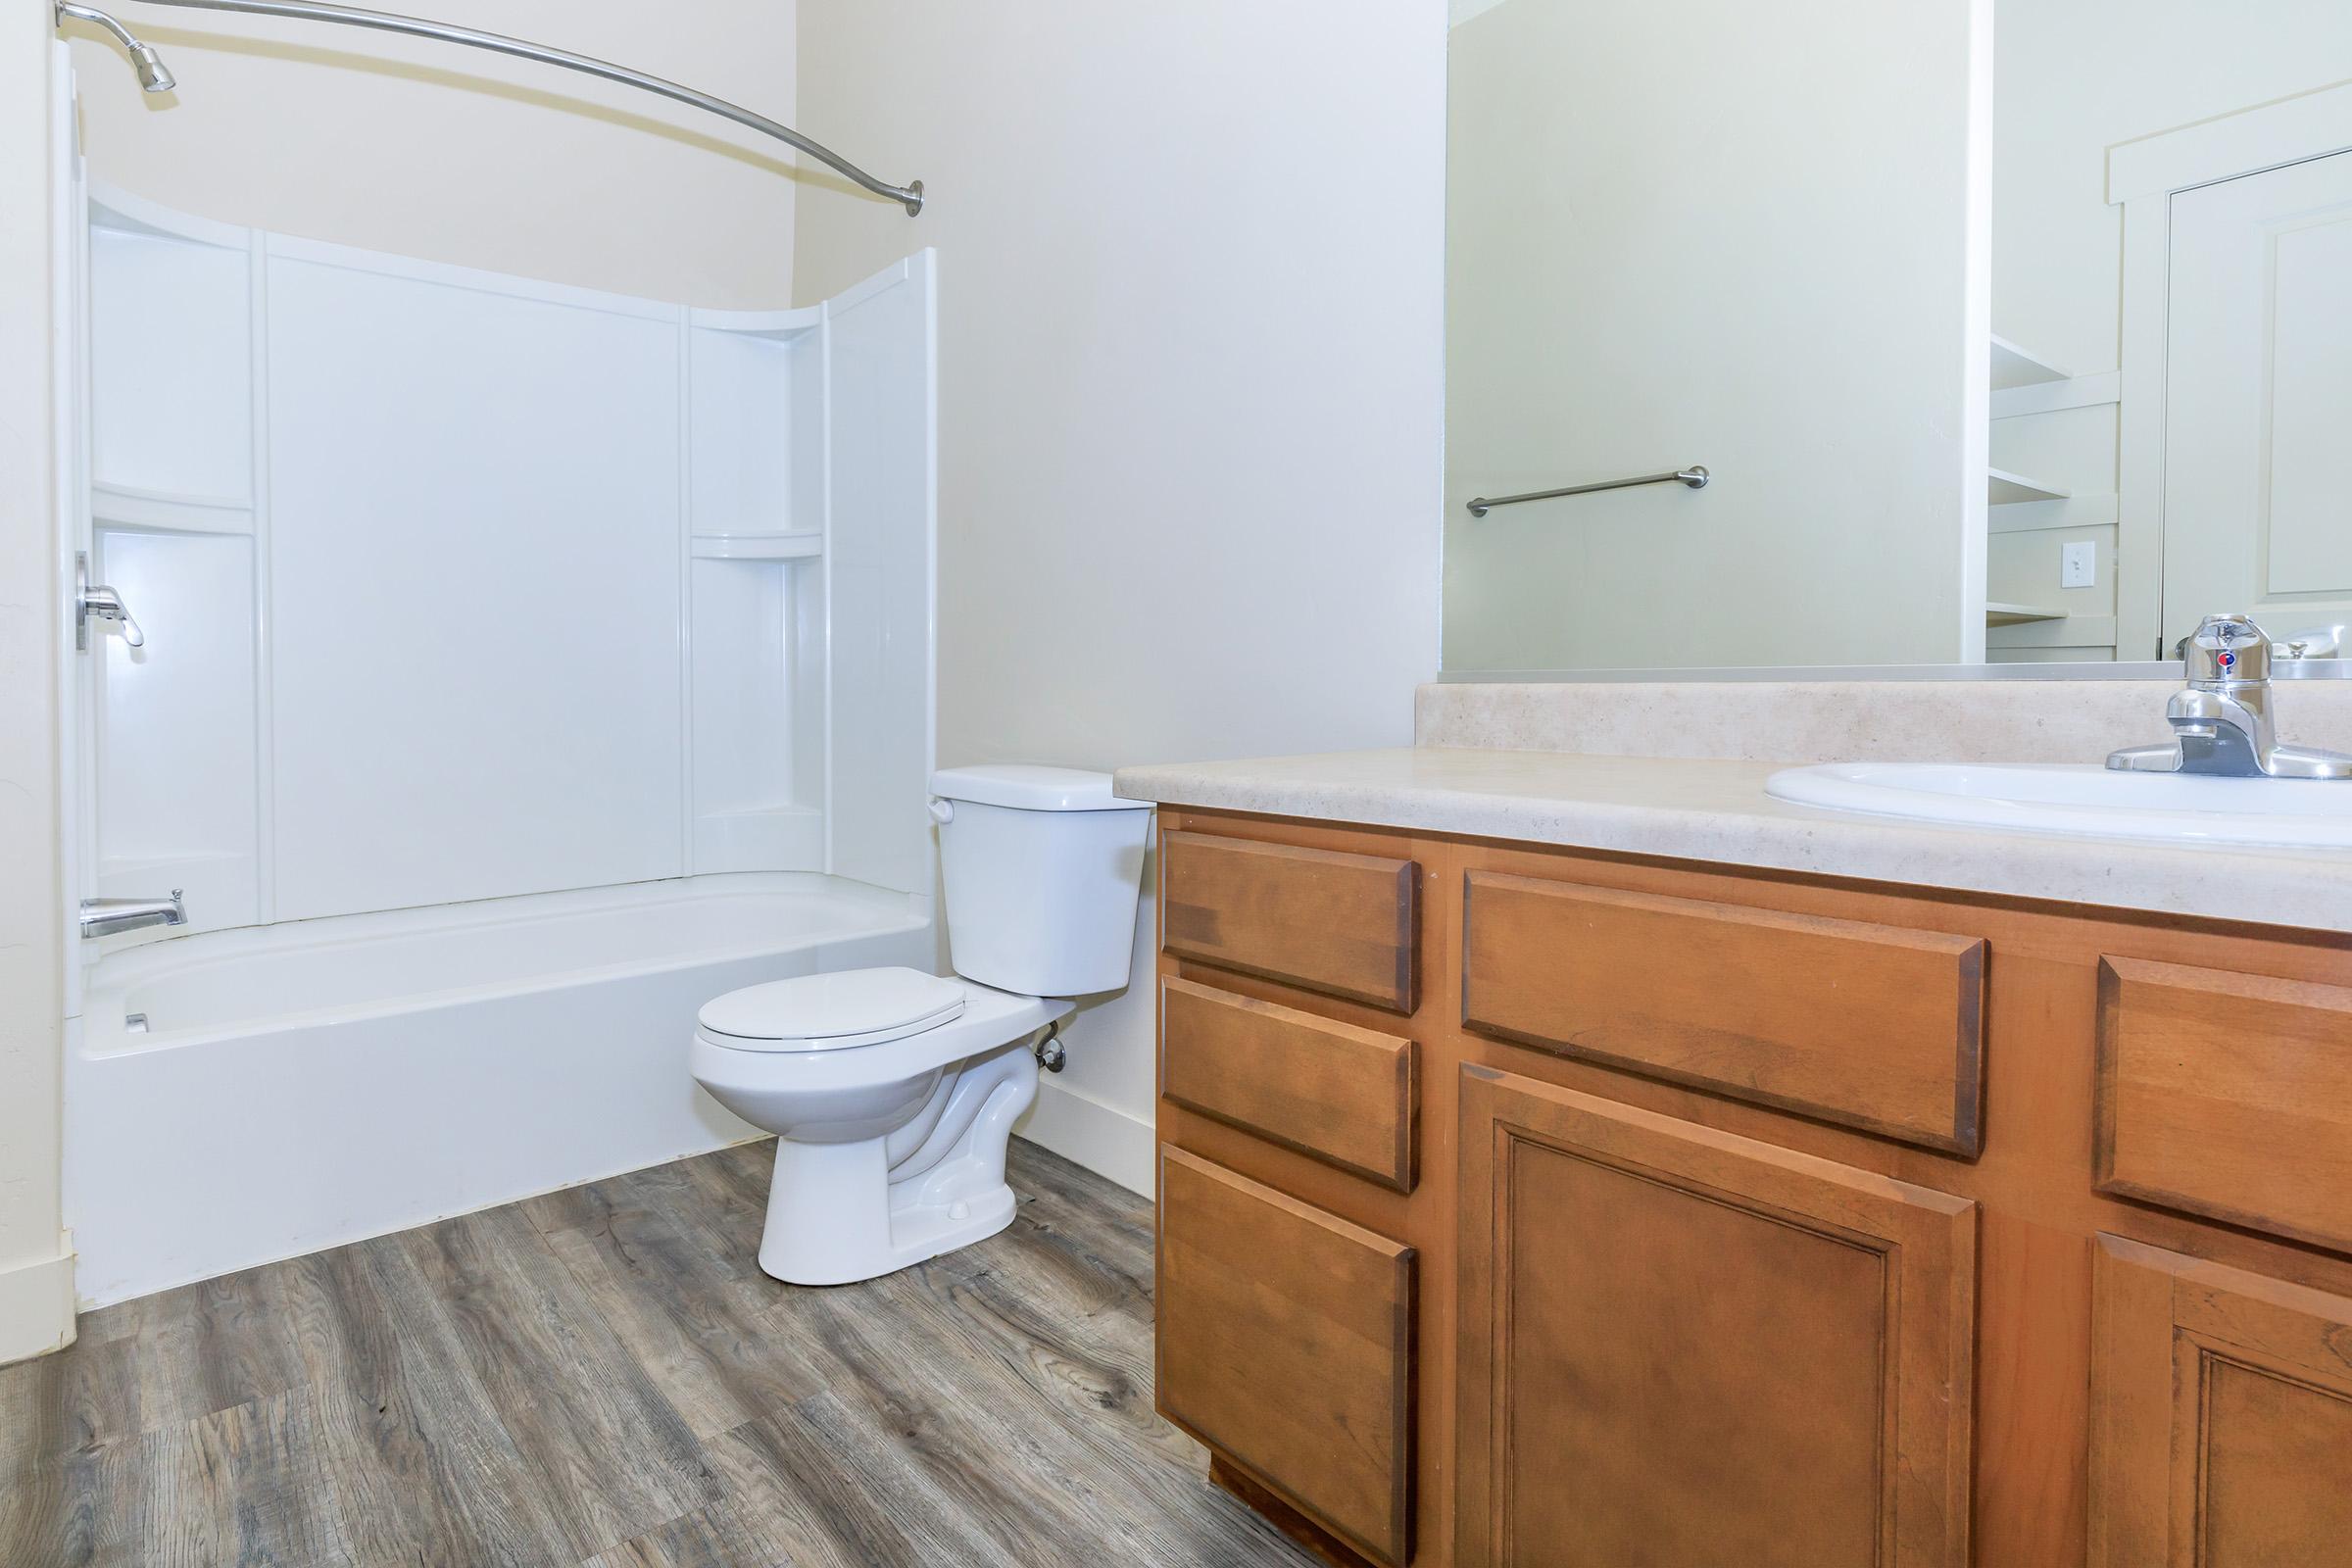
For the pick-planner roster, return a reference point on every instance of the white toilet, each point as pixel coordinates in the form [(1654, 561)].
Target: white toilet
[(892, 1093)]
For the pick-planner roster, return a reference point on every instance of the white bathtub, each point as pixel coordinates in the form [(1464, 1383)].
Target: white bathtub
[(239, 1096)]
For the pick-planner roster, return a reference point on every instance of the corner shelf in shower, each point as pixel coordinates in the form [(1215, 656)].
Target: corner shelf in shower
[(166, 511), (758, 546)]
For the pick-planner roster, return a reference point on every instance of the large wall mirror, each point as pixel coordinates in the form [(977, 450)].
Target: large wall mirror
[(2007, 332)]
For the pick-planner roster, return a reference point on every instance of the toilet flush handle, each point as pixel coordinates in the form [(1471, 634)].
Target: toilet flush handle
[(943, 811)]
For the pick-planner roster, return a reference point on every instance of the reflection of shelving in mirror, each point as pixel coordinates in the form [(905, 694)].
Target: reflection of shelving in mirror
[(2003, 487), (2048, 485), (2001, 614), (2014, 365)]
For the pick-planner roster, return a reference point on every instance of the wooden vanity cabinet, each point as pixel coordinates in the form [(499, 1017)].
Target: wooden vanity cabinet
[(1587, 1209)]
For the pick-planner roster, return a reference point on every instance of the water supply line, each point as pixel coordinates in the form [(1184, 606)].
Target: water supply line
[(155, 78)]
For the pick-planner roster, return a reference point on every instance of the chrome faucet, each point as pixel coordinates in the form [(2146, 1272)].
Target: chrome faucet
[(2222, 723), (104, 918)]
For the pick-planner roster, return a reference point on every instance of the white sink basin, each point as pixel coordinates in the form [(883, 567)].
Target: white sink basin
[(2085, 802)]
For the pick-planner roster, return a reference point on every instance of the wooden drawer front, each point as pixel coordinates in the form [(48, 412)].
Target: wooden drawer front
[(1679, 1346), (1874, 1026), (1341, 1094), (2221, 1416), (1345, 925), (1286, 1341), (2228, 1094)]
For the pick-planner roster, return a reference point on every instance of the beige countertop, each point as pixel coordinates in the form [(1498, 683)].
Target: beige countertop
[(1717, 811)]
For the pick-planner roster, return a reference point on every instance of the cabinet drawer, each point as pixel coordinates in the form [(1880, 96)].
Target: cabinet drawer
[(1344, 924), (1343, 1095), (1874, 1026), (1286, 1341), (2228, 1094)]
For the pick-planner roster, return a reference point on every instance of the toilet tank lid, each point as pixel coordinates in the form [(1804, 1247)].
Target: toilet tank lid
[(1028, 787)]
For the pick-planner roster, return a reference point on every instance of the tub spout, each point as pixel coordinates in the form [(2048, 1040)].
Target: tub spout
[(103, 917)]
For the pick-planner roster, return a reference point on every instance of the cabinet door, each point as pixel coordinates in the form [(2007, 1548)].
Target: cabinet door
[(2221, 1416), (1678, 1346)]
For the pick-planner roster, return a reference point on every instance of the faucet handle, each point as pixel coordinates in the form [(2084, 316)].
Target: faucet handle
[(2226, 649), (97, 602)]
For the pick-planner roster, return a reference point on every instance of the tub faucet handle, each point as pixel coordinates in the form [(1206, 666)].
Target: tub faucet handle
[(97, 602)]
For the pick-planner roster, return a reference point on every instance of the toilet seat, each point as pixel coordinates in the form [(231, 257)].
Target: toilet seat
[(832, 1011)]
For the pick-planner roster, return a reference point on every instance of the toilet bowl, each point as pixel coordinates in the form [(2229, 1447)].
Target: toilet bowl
[(893, 1092)]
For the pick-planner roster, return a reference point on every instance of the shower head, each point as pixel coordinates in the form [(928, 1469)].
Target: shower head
[(153, 76)]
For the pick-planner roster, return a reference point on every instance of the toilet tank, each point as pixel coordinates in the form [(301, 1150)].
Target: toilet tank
[(1042, 867)]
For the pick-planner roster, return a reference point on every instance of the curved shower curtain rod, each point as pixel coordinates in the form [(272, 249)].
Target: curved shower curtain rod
[(155, 78)]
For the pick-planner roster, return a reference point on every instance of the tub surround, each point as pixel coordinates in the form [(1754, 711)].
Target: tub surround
[(452, 901)]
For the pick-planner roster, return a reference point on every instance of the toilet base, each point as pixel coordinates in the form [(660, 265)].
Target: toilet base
[(913, 1235), (840, 1212)]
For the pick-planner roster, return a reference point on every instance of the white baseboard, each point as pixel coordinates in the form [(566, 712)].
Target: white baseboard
[(1106, 1141), (36, 1307)]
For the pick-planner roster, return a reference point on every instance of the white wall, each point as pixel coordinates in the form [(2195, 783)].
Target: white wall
[(1189, 386), (1714, 232), (458, 155), (36, 1302)]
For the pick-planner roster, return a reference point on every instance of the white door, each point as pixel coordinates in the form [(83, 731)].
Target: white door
[(2258, 401)]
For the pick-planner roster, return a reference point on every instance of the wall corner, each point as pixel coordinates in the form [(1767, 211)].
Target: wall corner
[(36, 1304)]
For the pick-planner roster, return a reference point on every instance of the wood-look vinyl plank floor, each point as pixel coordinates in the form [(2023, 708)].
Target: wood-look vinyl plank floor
[(603, 1377)]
